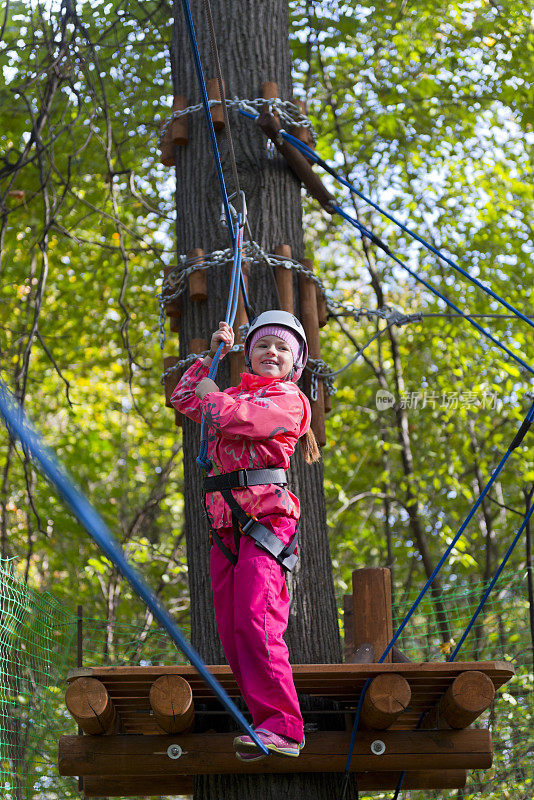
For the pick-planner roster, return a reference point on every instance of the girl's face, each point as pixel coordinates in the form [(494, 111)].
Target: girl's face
[(271, 357)]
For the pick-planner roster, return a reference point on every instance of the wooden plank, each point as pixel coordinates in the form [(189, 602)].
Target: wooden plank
[(141, 786), (129, 687), (326, 751)]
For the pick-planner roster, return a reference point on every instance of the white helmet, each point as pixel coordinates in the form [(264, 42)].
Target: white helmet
[(285, 320)]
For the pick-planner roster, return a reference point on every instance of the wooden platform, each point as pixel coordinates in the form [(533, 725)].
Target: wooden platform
[(129, 687)]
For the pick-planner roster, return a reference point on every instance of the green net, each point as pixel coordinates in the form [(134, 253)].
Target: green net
[(38, 645)]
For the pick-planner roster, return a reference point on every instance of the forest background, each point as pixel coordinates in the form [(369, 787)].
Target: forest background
[(428, 109)]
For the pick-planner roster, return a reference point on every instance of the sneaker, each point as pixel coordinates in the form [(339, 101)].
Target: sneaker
[(281, 745), (250, 757)]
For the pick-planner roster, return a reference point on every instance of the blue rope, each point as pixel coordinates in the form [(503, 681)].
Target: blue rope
[(371, 236), (307, 151), (528, 419), (20, 427), (205, 103), (231, 310)]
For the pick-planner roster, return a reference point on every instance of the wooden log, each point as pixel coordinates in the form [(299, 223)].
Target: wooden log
[(310, 322), (177, 418), (166, 147), (298, 163), (171, 380), (198, 280), (385, 700), (179, 134), (171, 700), (327, 402), (325, 751), (174, 308), (284, 280), (469, 695), (161, 785), (174, 324), (237, 360), (216, 112), (373, 622), (90, 704)]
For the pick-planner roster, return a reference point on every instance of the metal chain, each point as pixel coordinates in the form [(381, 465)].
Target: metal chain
[(190, 359), (286, 110)]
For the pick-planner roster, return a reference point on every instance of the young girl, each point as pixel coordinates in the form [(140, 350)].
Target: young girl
[(253, 431)]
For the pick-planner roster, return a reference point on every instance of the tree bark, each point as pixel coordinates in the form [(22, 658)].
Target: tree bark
[(253, 48)]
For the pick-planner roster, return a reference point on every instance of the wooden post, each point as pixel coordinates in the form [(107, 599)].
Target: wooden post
[(373, 621), (310, 322), (348, 626), (198, 280), (284, 280), (469, 695), (90, 704), (79, 664), (386, 698), (179, 133), (171, 700), (237, 360), (216, 112)]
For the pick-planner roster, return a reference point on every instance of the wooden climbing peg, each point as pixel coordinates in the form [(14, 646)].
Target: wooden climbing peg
[(284, 280), (179, 127), (310, 322), (269, 91), (302, 132), (198, 280), (172, 379), (174, 308), (166, 146), (216, 112)]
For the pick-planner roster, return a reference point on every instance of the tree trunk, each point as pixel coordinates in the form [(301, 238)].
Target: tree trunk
[(253, 48)]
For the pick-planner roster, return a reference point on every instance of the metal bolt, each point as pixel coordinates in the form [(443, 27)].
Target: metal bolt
[(174, 751), (378, 747)]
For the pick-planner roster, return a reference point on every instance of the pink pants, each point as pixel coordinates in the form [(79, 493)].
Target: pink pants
[(252, 609)]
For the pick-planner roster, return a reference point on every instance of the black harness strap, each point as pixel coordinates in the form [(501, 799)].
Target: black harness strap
[(264, 538)]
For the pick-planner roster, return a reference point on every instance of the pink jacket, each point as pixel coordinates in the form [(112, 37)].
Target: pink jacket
[(255, 424)]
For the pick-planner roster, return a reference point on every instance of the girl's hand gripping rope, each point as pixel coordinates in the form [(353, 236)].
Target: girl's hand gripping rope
[(205, 385), (225, 334)]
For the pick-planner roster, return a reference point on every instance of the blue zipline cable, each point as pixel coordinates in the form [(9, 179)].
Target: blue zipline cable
[(231, 310), (307, 151), (20, 427), (371, 236), (207, 114), (527, 421)]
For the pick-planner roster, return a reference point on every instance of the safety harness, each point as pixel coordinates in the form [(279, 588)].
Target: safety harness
[(246, 524)]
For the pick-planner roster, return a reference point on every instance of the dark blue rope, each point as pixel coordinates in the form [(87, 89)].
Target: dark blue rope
[(371, 236), (529, 418), (20, 427), (307, 151), (205, 103), (231, 310)]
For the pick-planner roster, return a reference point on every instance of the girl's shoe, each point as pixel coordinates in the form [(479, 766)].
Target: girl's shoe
[(250, 757), (281, 745)]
